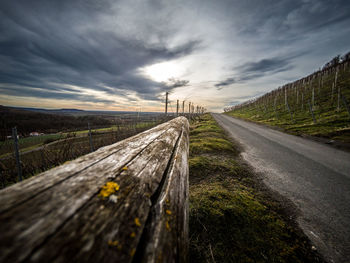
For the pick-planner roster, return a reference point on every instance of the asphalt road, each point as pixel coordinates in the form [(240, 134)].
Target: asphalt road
[(314, 176)]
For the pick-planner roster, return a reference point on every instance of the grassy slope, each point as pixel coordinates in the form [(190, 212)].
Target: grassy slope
[(330, 123), (231, 220)]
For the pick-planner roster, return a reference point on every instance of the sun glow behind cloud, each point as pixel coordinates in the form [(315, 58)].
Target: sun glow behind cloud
[(162, 72), (117, 54)]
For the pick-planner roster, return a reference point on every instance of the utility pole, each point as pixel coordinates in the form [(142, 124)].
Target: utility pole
[(166, 103), (183, 107), (177, 108)]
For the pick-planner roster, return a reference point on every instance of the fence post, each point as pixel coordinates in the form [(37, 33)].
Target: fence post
[(177, 108), (345, 103), (297, 96), (285, 97), (302, 101), (18, 159), (338, 104), (90, 138), (290, 112), (274, 106), (166, 103), (312, 113)]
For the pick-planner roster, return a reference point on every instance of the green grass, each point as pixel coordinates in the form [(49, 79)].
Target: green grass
[(27, 143), (330, 123), (231, 219), (114, 128)]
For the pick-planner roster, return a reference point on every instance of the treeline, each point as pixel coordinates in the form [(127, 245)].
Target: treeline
[(28, 121)]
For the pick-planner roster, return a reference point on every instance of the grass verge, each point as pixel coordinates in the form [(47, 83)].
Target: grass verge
[(317, 108), (232, 217)]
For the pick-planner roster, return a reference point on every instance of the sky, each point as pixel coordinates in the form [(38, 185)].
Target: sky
[(124, 55)]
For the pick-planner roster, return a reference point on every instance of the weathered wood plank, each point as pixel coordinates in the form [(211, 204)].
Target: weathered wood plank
[(34, 185), (67, 218), (139, 181), (165, 239)]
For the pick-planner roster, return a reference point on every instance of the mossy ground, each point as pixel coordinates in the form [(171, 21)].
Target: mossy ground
[(231, 218)]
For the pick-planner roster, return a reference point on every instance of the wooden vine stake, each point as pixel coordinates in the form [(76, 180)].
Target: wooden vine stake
[(346, 104), (311, 112), (274, 106)]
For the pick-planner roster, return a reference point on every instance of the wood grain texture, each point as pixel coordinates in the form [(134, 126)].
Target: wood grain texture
[(165, 239), (63, 214)]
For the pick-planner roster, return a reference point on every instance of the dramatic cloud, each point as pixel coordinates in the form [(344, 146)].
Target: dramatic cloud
[(226, 82), (45, 46), (97, 52), (254, 70), (176, 83)]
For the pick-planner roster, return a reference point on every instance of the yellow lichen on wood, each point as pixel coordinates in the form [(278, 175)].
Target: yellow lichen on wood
[(108, 189), (132, 252), (137, 221), (132, 234), (113, 243), (167, 226), (125, 168), (168, 212)]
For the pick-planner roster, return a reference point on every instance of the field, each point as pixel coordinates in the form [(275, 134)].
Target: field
[(40, 153), (317, 105), (27, 143), (233, 216)]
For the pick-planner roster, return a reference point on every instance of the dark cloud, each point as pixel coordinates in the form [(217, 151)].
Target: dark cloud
[(47, 43), (177, 83), (285, 20), (225, 82), (265, 65), (254, 70)]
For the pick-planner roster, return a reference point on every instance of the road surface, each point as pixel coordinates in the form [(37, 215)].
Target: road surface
[(314, 176)]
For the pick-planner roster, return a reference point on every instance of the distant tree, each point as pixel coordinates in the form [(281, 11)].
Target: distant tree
[(346, 57), (333, 62)]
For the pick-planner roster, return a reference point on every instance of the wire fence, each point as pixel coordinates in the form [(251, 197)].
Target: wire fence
[(44, 151)]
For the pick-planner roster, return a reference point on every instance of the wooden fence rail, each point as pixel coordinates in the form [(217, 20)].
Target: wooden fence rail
[(127, 202)]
